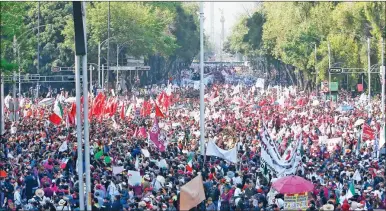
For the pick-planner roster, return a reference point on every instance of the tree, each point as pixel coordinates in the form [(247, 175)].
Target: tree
[(288, 31), (166, 30)]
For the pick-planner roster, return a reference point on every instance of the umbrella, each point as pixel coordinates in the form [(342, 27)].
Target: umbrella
[(292, 185), (359, 122), (70, 100), (47, 101)]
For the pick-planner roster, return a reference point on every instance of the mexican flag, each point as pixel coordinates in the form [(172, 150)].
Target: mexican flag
[(351, 190), (189, 166), (57, 116)]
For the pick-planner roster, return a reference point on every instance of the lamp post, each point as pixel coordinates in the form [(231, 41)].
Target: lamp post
[(119, 48), (369, 67), (100, 44), (202, 105), (383, 79)]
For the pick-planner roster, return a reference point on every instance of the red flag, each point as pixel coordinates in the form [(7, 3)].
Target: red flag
[(158, 112), (99, 104), (142, 132), (146, 108), (135, 132), (123, 112), (114, 107), (154, 136), (367, 133), (73, 110)]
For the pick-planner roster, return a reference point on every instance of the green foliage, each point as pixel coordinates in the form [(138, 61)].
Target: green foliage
[(165, 29), (6, 67), (288, 31)]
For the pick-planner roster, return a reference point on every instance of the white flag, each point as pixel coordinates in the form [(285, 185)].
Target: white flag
[(63, 147), (145, 152), (118, 169), (214, 150), (357, 176), (134, 178)]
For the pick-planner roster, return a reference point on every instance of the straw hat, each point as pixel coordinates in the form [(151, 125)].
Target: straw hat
[(142, 204), (39, 192), (62, 202)]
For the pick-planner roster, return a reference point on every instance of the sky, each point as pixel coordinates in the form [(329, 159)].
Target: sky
[(232, 12)]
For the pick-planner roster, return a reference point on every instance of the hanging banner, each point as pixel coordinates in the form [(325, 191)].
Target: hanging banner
[(296, 201)]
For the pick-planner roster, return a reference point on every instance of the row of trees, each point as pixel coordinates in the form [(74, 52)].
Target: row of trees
[(280, 38), (166, 34)]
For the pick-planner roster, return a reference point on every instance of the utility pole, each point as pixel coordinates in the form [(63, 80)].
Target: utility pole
[(383, 78), (117, 68), (99, 65), (103, 76), (222, 20), (108, 49), (14, 81), (369, 67), (90, 77), (202, 105), (329, 67), (2, 128), (316, 74), (38, 68), (79, 10)]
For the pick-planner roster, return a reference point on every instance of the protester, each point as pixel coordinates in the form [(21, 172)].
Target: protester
[(40, 158)]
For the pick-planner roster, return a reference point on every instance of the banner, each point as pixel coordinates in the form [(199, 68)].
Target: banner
[(214, 150), (296, 201), (118, 169), (134, 178), (272, 162), (260, 83), (330, 143)]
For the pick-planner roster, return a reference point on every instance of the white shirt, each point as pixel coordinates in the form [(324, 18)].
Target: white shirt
[(237, 193), (237, 180), (17, 197), (280, 203), (63, 208)]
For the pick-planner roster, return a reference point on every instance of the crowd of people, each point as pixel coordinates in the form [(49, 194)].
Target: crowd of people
[(39, 173)]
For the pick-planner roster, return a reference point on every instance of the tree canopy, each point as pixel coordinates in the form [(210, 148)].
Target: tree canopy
[(168, 30), (285, 34)]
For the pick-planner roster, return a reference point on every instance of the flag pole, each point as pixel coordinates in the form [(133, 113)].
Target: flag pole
[(202, 106)]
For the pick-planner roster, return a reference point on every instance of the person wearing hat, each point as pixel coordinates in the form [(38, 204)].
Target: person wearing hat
[(39, 196), (171, 206), (106, 204), (63, 205), (209, 205), (214, 193), (17, 197), (327, 207)]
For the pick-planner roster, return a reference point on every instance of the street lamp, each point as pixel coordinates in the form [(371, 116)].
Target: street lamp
[(118, 51), (16, 47), (99, 63)]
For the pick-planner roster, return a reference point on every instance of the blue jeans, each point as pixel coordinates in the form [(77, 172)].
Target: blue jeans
[(215, 204)]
